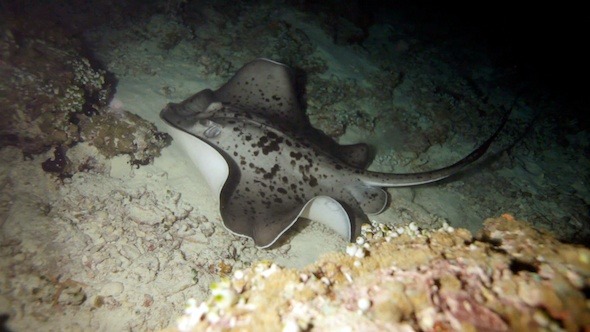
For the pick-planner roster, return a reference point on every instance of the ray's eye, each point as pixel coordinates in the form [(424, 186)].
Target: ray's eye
[(213, 129)]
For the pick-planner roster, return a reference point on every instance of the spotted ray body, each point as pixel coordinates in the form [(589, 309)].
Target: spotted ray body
[(278, 167)]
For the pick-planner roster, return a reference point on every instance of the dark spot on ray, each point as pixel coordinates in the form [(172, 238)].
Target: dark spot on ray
[(296, 155), (282, 190), (313, 181), (260, 183)]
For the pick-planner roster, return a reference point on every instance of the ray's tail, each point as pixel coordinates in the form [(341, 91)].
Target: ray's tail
[(413, 179)]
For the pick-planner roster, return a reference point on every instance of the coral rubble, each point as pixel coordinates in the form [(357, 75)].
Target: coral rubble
[(509, 277)]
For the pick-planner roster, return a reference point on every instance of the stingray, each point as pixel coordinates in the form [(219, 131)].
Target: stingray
[(269, 167)]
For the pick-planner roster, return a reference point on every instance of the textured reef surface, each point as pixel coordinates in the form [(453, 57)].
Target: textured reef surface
[(55, 96), (510, 277)]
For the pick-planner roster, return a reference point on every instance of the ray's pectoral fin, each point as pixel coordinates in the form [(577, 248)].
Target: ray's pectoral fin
[(330, 212), (372, 200), (265, 227), (244, 217), (357, 155)]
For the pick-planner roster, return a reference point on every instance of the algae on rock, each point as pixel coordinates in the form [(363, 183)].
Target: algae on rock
[(123, 133), (510, 278), (52, 96), (46, 82)]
